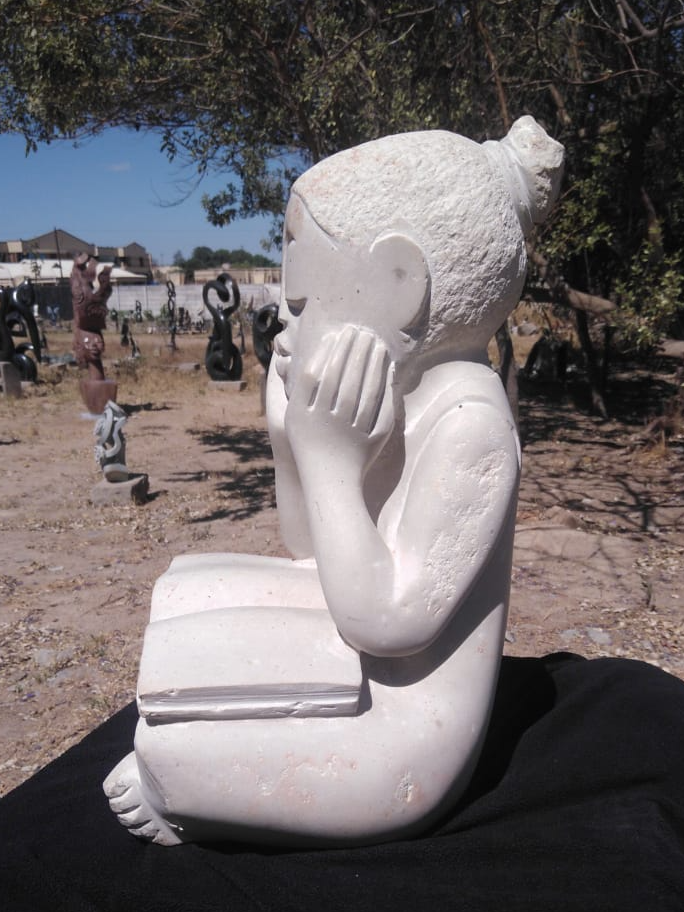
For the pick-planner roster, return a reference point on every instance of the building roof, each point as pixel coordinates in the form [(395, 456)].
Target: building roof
[(68, 245)]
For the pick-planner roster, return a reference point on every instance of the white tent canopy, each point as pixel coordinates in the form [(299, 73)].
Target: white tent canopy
[(51, 271)]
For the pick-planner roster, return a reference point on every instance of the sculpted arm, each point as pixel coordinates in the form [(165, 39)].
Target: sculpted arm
[(292, 518), (392, 590), (459, 503)]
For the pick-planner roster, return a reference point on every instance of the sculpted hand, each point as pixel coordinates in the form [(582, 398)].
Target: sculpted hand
[(341, 405)]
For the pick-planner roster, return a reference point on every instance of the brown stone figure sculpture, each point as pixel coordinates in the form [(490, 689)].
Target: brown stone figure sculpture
[(90, 315)]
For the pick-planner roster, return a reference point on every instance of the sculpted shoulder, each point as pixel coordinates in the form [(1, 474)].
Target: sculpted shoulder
[(453, 385)]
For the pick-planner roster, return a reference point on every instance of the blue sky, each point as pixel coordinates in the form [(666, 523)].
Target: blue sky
[(113, 190)]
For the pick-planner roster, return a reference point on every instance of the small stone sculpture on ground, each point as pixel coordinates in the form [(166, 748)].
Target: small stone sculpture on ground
[(125, 333), (343, 696), (17, 320), (222, 359), (118, 484), (265, 328), (171, 314), (90, 316), (110, 444)]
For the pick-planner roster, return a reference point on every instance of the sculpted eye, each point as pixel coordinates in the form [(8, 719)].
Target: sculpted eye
[(295, 305), (295, 279)]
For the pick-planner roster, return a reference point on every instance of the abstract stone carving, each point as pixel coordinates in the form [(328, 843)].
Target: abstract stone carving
[(265, 328), (171, 313), (222, 359), (110, 444), (343, 696), (125, 340), (17, 320), (90, 316)]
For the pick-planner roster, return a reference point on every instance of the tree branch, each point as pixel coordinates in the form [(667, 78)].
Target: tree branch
[(564, 293), (644, 32)]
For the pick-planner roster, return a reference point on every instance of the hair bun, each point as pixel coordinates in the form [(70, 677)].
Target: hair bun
[(532, 164)]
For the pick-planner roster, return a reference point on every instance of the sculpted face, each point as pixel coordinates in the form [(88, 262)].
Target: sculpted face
[(327, 285)]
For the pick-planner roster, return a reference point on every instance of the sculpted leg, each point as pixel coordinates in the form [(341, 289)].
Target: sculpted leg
[(201, 582), (380, 774), (123, 788)]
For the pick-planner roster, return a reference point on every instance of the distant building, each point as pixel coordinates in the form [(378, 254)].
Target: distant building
[(59, 245), (163, 274), (250, 275), (47, 260)]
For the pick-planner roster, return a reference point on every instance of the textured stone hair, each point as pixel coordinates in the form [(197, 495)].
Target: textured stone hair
[(467, 205)]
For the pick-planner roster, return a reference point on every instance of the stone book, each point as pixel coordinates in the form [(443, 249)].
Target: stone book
[(247, 663)]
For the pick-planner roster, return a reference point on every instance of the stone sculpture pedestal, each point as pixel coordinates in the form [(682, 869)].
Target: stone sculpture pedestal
[(96, 394), (10, 380), (227, 386), (133, 490)]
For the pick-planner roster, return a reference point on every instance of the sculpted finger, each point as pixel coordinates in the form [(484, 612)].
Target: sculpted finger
[(384, 420), (353, 378), (306, 388), (331, 376), (374, 390)]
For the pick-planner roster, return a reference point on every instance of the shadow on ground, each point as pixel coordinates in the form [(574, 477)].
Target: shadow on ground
[(242, 493), (633, 398), (144, 407), (245, 444)]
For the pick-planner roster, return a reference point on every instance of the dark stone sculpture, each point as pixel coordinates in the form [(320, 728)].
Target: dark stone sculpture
[(171, 313), (265, 328), (222, 360), (547, 360), (17, 320), (90, 316)]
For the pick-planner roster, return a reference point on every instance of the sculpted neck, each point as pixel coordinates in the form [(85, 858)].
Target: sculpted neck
[(426, 373)]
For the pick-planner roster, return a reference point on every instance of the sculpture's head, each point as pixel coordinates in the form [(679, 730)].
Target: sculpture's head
[(418, 236)]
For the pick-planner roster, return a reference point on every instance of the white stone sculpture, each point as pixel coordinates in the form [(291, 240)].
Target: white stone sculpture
[(343, 696), (110, 443)]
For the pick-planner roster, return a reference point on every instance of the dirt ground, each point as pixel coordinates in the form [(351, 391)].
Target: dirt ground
[(599, 546)]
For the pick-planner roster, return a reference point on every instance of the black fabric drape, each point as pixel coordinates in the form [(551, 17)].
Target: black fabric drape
[(577, 804)]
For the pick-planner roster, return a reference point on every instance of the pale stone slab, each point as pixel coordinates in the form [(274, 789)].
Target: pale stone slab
[(133, 490), (10, 380), (227, 386)]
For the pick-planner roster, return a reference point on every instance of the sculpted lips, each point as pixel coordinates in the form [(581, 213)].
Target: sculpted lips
[(279, 348), (282, 357)]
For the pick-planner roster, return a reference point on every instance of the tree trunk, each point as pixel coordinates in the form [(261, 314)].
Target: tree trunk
[(507, 367), (597, 401)]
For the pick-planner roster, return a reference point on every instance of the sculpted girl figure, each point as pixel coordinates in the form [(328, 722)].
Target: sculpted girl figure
[(397, 465), (90, 318)]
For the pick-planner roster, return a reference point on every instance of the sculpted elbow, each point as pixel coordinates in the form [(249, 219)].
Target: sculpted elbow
[(389, 637)]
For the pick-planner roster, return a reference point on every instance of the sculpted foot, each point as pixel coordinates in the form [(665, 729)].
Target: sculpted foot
[(122, 787)]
